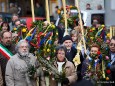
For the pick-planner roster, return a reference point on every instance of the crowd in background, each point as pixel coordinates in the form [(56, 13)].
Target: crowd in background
[(13, 72)]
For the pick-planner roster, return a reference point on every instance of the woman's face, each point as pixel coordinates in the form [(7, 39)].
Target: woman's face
[(61, 55), (74, 37), (5, 27)]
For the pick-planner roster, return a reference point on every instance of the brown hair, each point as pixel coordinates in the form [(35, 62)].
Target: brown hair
[(95, 45), (2, 33)]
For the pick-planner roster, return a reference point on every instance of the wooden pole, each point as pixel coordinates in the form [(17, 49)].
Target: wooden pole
[(81, 24), (65, 17), (32, 9), (47, 11), (110, 32)]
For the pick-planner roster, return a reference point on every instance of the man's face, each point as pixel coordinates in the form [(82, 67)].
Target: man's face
[(61, 55), (7, 38), (14, 18), (112, 46), (23, 49), (17, 23), (68, 44), (94, 50)]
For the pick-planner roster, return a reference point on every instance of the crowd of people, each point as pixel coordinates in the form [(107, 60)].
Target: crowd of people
[(15, 59)]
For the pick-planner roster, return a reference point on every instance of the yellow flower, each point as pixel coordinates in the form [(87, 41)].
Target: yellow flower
[(15, 29), (24, 30), (102, 26), (58, 11), (108, 35), (48, 50), (93, 28), (92, 38), (54, 51), (57, 33), (107, 78), (53, 26), (71, 6), (89, 67), (29, 34)]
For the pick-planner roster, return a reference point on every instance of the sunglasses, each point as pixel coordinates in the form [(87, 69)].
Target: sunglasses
[(112, 44)]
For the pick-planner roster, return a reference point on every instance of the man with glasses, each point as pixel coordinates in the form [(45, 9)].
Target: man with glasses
[(112, 55), (6, 48)]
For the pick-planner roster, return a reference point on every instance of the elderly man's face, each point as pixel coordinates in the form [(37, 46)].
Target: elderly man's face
[(6, 40), (68, 44), (14, 18), (23, 49), (112, 45)]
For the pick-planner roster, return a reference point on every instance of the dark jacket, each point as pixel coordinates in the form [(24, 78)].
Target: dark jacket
[(4, 60), (70, 56), (112, 68), (60, 34)]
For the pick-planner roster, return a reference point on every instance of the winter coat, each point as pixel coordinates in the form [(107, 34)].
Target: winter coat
[(17, 75), (69, 72)]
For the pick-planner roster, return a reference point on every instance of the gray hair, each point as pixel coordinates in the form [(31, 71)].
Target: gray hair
[(19, 43)]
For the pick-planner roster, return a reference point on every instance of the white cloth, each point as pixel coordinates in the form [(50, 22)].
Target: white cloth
[(60, 66), (60, 69)]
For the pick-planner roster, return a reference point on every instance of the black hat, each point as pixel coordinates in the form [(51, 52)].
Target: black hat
[(67, 37)]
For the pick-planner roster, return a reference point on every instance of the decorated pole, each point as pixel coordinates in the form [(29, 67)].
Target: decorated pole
[(81, 24), (32, 9), (65, 17), (47, 11), (110, 32)]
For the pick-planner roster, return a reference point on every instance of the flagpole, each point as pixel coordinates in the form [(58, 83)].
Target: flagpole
[(65, 17), (32, 9), (47, 11), (81, 24)]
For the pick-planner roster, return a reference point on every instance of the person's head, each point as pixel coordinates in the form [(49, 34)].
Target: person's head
[(60, 53), (22, 48), (74, 35), (17, 23), (14, 17), (37, 4), (88, 6), (56, 8), (99, 7), (12, 5), (78, 22), (94, 49), (5, 26), (6, 38), (67, 41), (112, 44), (95, 22)]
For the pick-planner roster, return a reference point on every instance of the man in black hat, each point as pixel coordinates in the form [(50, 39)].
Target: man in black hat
[(71, 52)]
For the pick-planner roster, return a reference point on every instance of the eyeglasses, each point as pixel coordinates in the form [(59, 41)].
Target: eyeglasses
[(112, 44)]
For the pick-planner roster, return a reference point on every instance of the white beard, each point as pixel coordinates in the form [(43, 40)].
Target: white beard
[(23, 54)]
